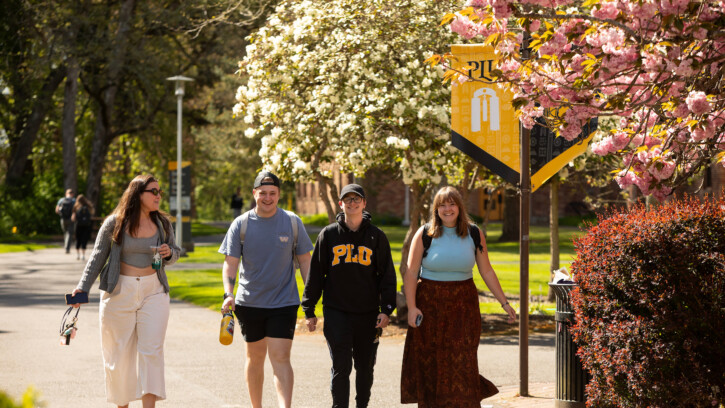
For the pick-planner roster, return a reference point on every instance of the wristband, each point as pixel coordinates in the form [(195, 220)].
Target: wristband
[(504, 305), (226, 295)]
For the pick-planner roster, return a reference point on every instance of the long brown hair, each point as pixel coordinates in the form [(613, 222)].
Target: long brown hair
[(128, 210), (82, 201), (444, 195)]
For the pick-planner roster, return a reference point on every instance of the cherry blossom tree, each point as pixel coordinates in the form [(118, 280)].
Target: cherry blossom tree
[(655, 64)]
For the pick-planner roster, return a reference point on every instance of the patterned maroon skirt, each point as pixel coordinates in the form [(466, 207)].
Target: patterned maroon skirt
[(440, 361)]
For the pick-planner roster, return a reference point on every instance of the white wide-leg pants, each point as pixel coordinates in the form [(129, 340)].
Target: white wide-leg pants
[(133, 328)]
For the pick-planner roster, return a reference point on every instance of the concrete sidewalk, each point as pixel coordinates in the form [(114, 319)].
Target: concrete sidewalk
[(199, 371)]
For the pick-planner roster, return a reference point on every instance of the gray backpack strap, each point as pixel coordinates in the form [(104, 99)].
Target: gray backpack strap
[(243, 228), (295, 233)]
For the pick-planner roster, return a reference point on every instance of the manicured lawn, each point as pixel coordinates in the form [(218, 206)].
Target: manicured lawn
[(203, 287), (21, 247)]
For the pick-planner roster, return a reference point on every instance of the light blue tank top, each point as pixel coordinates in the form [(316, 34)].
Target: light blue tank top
[(450, 258)]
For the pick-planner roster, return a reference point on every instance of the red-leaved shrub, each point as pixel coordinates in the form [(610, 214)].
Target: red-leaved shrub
[(650, 307)]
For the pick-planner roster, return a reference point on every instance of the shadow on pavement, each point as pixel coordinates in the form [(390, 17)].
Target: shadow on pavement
[(537, 340)]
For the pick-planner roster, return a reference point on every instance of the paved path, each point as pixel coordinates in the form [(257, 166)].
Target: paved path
[(199, 371)]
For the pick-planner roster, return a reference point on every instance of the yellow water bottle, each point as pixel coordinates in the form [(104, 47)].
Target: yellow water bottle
[(226, 333)]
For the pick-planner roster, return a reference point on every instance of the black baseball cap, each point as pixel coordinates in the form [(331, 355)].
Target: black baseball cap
[(352, 188), (266, 178)]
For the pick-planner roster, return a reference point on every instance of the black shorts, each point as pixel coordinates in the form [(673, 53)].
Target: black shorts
[(257, 323)]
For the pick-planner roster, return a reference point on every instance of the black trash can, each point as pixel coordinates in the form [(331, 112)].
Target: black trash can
[(570, 376)]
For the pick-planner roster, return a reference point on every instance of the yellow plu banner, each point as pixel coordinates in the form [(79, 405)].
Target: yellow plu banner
[(484, 124), (483, 121)]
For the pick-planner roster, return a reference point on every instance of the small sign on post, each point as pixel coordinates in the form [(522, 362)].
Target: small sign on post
[(186, 243)]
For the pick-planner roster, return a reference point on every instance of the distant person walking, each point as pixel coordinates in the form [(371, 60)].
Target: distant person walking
[(268, 239), (440, 360), (64, 208), (352, 268), (237, 203), (133, 247), (83, 219)]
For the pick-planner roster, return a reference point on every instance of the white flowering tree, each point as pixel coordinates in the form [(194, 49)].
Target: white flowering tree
[(657, 64), (343, 82)]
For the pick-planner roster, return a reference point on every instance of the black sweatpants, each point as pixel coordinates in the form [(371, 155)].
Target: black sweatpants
[(351, 338)]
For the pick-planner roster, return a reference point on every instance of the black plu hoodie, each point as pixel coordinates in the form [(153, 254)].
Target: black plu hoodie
[(354, 270)]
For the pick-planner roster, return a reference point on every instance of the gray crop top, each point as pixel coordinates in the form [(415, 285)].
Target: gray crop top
[(137, 252)]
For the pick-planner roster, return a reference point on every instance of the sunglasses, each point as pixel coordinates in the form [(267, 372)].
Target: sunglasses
[(154, 191), (355, 199)]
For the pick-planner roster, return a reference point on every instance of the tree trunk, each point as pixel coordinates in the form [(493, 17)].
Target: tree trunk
[(492, 193), (334, 195), (70, 170), (322, 183), (553, 230), (104, 119), (417, 214), (16, 176), (511, 224)]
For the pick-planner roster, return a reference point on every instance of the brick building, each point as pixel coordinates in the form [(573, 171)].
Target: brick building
[(386, 196)]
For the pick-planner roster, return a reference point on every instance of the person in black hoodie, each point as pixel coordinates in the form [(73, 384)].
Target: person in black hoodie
[(353, 267)]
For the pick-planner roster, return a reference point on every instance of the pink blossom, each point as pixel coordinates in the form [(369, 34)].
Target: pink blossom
[(464, 27), (661, 193), (570, 131), (607, 10), (685, 68), (650, 142), (705, 133), (662, 169), (477, 3), (643, 182), (625, 180), (700, 33), (676, 88), (697, 102), (652, 62), (534, 26), (603, 148), (642, 11), (681, 111), (501, 9), (668, 7), (620, 140)]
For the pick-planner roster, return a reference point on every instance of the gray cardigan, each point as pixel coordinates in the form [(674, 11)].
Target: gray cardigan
[(104, 251)]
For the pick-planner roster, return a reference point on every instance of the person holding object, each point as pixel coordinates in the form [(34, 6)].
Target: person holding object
[(352, 268), (440, 360), (133, 246), (64, 208), (83, 219), (267, 299)]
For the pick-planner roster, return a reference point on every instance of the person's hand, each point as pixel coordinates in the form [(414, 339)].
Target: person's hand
[(311, 323), (412, 315), (165, 252), (511, 312), (228, 304), (383, 321), (76, 291)]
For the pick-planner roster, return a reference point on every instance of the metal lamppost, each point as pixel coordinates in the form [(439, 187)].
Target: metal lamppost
[(179, 80)]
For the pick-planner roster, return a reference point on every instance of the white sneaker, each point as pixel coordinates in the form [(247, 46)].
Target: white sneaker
[(78, 257)]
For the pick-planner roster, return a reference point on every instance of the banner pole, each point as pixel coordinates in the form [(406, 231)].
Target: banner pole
[(525, 189)]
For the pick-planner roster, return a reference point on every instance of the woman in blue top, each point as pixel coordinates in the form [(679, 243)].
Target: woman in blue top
[(440, 361)]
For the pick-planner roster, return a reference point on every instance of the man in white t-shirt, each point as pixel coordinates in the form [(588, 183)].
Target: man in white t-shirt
[(267, 298)]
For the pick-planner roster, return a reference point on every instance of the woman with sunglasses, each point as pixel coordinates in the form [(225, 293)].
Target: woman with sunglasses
[(440, 359), (132, 248)]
